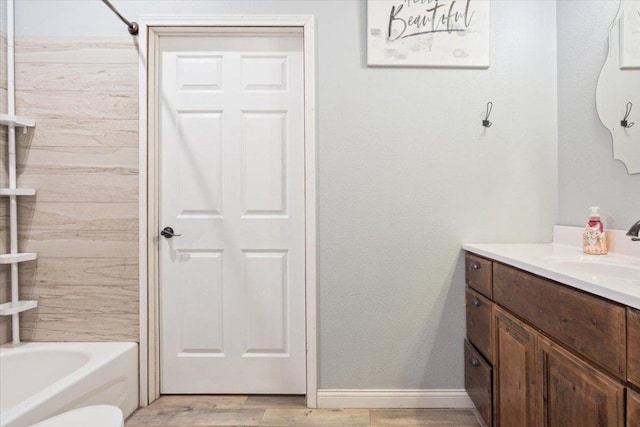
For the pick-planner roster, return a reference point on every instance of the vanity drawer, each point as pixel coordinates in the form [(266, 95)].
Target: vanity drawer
[(479, 274), (591, 326), (478, 382), (478, 310), (633, 346)]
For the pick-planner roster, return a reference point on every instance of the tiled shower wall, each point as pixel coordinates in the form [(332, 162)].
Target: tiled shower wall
[(82, 158)]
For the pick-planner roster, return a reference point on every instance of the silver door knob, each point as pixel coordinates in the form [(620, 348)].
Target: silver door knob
[(168, 233)]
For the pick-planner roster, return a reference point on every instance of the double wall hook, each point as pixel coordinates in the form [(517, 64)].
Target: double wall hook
[(486, 123), (624, 123)]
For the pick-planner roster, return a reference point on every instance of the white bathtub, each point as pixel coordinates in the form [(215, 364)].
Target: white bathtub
[(40, 380)]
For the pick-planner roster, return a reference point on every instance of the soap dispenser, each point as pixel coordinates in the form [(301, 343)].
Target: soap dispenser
[(594, 238)]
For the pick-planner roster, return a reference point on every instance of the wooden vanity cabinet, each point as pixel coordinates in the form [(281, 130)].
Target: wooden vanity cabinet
[(479, 323), (633, 367), (633, 409), (479, 274), (478, 382), (589, 325), (574, 393), (478, 347), (633, 346), (515, 396), (558, 356)]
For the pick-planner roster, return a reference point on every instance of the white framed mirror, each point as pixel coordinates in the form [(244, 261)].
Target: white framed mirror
[(618, 89)]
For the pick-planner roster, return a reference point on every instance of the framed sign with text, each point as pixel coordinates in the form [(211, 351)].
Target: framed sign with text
[(428, 33), (630, 35)]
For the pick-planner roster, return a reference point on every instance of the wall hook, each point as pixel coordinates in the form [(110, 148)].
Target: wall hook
[(486, 123), (624, 123)]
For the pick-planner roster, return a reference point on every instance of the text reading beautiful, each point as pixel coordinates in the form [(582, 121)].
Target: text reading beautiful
[(410, 18)]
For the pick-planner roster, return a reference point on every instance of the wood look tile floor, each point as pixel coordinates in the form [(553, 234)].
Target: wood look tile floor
[(284, 411)]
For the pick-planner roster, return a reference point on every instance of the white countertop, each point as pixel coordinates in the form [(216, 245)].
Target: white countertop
[(541, 259)]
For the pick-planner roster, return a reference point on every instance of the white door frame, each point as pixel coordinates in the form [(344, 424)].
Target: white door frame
[(151, 28)]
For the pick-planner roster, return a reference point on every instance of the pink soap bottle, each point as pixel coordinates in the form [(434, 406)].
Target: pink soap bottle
[(594, 238)]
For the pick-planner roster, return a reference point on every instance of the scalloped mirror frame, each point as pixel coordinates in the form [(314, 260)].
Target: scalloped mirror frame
[(616, 87)]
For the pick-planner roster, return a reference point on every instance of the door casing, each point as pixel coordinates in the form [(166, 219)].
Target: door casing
[(151, 28)]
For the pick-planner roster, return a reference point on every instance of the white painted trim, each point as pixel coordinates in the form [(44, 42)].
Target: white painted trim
[(143, 252), (311, 261), (158, 21), (150, 28), (389, 399)]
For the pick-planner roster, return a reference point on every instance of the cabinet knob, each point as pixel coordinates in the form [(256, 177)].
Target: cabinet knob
[(475, 265), (475, 301), (474, 362)]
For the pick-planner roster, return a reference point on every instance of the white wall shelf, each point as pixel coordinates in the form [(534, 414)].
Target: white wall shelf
[(11, 120), (9, 308), (17, 192), (14, 307), (11, 258)]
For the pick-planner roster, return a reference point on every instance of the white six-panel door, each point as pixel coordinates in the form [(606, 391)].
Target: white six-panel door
[(231, 179)]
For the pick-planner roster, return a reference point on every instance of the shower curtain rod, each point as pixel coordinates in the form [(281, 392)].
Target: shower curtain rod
[(133, 26)]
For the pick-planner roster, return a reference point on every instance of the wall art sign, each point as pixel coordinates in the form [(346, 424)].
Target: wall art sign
[(428, 33), (630, 35)]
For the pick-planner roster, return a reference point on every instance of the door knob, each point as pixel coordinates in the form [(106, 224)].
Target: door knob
[(169, 233)]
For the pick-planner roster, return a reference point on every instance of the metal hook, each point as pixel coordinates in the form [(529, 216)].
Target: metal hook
[(486, 123), (624, 123)]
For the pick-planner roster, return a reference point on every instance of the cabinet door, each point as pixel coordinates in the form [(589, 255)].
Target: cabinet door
[(576, 394), (633, 346), (633, 409), (516, 399)]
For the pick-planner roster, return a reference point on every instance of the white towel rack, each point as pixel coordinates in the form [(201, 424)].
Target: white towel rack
[(14, 307)]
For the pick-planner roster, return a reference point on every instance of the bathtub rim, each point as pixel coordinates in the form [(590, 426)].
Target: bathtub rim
[(100, 353)]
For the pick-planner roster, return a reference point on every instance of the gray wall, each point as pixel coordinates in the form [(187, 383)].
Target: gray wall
[(587, 173), (406, 174)]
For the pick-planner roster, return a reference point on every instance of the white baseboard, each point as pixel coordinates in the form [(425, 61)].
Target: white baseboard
[(393, 399)]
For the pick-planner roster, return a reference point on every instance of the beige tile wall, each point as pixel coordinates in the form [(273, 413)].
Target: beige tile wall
[(82, 158)]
